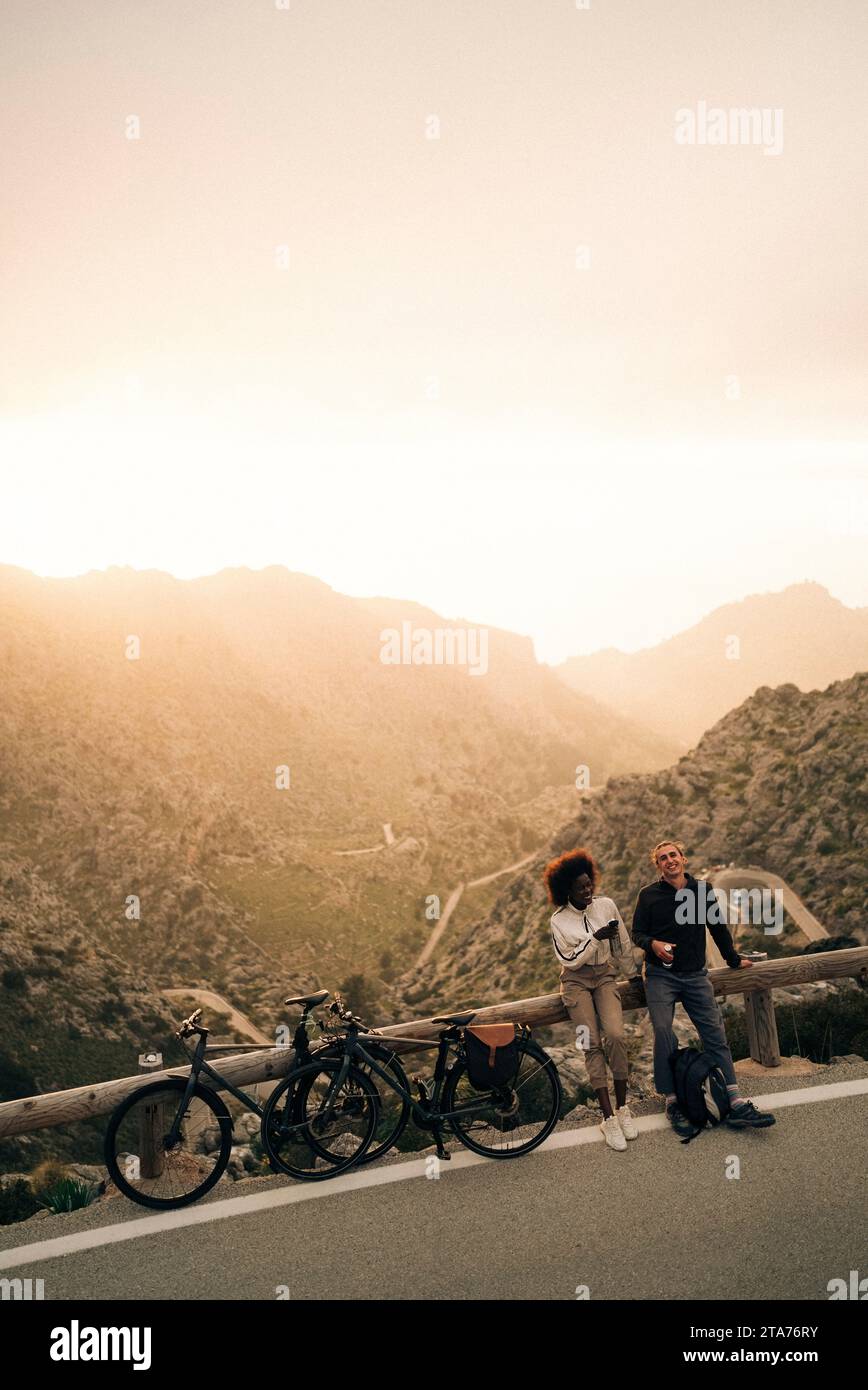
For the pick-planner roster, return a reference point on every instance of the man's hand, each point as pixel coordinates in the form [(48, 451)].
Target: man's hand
[(663, 949), (743, 964)]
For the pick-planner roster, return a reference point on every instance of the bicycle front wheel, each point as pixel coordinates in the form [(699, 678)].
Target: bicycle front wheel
[(316, 1125), (156, 1167), (394, 1108), (513, 1119)]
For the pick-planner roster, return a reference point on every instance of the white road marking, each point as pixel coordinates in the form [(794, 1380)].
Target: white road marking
[(23, 1255)]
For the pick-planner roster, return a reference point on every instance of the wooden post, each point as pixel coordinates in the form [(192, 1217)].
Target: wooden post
[(762, 1030), (750, 1024), (151, 1124)]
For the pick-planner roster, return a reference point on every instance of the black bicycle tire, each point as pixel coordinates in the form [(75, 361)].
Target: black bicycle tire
[(390, 1061), (297, 1077), (458, 1069), (224, 1120)]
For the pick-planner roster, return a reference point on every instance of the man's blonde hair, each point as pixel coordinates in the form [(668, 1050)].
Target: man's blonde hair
[(659, 845)]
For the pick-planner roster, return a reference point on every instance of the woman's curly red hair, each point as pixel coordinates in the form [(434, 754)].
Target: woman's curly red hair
[(559, 873)]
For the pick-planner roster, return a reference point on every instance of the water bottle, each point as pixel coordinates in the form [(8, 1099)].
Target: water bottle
[(615, 942)]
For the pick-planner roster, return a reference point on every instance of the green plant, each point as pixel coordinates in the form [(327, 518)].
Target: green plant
[(69, 1195)]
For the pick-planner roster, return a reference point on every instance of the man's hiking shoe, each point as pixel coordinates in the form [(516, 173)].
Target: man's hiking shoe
[(746, 1116), (611, 1132), (683, 1127)]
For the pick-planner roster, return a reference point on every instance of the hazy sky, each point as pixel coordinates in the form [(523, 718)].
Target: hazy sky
[(551, 370)]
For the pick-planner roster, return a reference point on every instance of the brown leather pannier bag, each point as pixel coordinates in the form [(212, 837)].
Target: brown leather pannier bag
[(492, 1055)]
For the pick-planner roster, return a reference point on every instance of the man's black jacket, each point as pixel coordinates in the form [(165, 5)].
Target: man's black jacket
[(660, 915)]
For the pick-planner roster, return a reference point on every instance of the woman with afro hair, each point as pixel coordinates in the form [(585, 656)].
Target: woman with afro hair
[(589, 939)]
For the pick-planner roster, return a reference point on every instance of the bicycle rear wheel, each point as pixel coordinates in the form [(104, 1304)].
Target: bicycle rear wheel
[(315, 1126), (150, 1169), (513, 1120)]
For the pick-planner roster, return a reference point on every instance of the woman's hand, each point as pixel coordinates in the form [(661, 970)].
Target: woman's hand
[(606, 933)]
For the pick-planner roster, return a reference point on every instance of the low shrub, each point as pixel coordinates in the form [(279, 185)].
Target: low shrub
[(69, 1195), (46, 1175), (17, 1202), (818, 1029)]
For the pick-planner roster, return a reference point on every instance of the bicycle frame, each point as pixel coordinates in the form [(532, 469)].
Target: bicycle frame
[(197, 1066), (299, 1044), (422, 1112)]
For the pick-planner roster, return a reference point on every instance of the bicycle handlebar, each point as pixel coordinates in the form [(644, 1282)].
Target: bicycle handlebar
[(190, 1025), (346, 1015)]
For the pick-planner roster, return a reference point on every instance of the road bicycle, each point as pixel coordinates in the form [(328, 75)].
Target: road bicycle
[(169, 1142), (505, 1122)]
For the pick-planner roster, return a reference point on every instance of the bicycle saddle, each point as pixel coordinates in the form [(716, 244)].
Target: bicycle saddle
[(309, 999), (459, 1019)]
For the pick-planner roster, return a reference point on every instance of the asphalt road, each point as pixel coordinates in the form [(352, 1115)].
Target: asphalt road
[(659, 1221)]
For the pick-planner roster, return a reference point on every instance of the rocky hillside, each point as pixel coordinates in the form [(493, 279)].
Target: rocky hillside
[(72, 1009), (781, 782), (145, 842), (802, 635)]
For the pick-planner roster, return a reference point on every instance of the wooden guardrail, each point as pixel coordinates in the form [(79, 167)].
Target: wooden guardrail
[(268, 1064)]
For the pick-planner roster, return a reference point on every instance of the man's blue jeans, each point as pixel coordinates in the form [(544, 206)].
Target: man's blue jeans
[(663, 990)]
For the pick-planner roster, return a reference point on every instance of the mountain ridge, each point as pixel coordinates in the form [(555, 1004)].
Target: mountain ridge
[(688, 681)]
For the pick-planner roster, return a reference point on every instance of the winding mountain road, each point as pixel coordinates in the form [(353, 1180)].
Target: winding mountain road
[(455, 897), (430, 945), (753, 877), (239, 1021)]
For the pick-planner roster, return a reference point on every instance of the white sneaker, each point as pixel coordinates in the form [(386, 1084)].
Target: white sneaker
[(627, 1123), (611, 1132)]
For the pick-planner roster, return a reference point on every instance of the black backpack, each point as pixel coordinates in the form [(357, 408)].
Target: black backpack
[(492, 1055), (700, 1088)]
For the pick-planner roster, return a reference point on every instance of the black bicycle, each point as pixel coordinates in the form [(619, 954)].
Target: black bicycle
[(169, 1142), (504, 1122), (395, 1107)]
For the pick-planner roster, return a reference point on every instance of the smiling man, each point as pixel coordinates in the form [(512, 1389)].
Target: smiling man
[(669, 923)]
